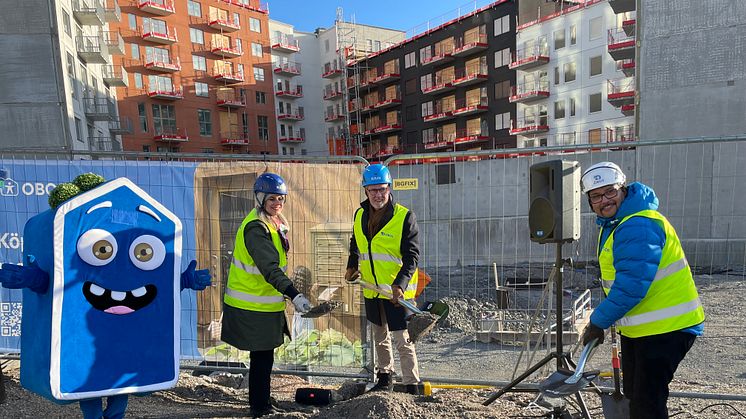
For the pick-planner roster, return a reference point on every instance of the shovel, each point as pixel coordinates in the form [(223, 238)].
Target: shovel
[(321, 309), (563, 383), (615, 405)]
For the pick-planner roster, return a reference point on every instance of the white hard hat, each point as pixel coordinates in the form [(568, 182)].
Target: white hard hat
[(601, 174)]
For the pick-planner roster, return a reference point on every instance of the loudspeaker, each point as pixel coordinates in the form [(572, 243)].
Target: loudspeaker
[(554, 201)]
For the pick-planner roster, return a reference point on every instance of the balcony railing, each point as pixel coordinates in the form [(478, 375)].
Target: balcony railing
[(229, 76), (439, 115), (529, 125), (330, 72), (333, 116), (157, 7), (165, 36), (285, 44), (286, 69), (531, 57), (120, 125), (249, 5), (89, 12), (292, 137), (233, 138), (223, 23), (469, 136), (384, 151), (620, 45), (296, 115), (171, 135), (439, 57), (166, 93), (620, 92), (470, 75), (92, 49), (226, 51), (153, 63), (627, 67), (471, 44), (388, 126), (330, 94), (114, 75), (594, 136), (387, 102), (440, 86), (112, 12), (230, 101), (469, 107), (530, 91), (291, 92), (104, 144), (98, 108), (114, 42)]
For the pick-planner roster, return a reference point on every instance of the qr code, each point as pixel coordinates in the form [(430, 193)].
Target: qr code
[(10, 319)]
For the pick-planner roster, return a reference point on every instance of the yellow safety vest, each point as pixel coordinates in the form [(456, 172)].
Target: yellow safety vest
[(381, 258), (247, 289), (672, 302)]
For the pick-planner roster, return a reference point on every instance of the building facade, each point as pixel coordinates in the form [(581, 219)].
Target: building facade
[(198, 77), (58, 78)]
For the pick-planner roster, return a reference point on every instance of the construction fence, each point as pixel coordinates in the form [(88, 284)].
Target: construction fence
[(472, 211)]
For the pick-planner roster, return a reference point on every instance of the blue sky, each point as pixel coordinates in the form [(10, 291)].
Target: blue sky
[(405, 15)]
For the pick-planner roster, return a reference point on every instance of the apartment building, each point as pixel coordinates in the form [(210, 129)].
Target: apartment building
[(445, 89), (575, 74), (198, 77), (58, 78)]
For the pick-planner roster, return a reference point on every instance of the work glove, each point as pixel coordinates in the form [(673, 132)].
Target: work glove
[(396, 293), (193, 279), (593, 332), (301, 303), (24, 276), (351, 275)]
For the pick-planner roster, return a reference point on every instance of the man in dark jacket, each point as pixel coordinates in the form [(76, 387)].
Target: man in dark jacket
[(384, 247)]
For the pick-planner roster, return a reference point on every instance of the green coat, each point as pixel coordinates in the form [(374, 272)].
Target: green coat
[(253, 330)]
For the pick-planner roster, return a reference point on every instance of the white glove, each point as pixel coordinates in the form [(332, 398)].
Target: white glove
[(301, 303)]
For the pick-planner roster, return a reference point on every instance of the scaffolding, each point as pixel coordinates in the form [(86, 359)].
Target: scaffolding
[(349, 55)]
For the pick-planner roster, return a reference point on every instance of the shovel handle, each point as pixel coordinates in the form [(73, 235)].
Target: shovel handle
[(584, 355), (408, 304)]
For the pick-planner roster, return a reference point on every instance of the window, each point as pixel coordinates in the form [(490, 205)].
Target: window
[(199, 63), (559, 39), (376, 46), (196, 36), (205, 124), (135, 51), (411, 113), (132, 21), (409, 60), (595, 67), (559, 109), (427, 108), (143, 117), (426, 82), (569, 70), (164, 119), (258, 74), (66, 23), (245, 123), (410, 86), (573, 35), (201, 89), (138, 80), (502, 121), (78, 130), (263, 123), (256, 49), (71, 73), (284, 151), (502, 89), (261, 98), (194, 8), (502, 25), (326, 45), (146, 148), (572, 106), (255, 25), (595, 28), (502, 57), (445, 174), (594, 103), (556, 75)]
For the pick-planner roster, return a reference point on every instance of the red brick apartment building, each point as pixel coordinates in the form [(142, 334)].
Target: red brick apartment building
[(199, 76)]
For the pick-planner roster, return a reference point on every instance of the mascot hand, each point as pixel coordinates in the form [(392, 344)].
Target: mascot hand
[(28, 276), (196, 280)]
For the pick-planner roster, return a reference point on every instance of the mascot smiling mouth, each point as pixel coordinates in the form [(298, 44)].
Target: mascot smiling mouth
[(118, 302)]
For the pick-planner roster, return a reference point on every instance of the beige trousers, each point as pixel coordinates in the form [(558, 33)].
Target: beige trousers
[(385, 356)]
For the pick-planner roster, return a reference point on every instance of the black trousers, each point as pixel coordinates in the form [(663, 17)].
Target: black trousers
[(260, 372), (648, 366)]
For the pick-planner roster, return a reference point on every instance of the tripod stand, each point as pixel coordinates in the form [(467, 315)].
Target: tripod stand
[(562, 358)]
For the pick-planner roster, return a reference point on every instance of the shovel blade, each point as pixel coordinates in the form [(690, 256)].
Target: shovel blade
[(321, 309), (556, 385), (615, 406)]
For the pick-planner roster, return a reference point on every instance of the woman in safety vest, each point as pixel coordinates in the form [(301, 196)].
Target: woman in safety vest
[(650, 292), (254, 300)]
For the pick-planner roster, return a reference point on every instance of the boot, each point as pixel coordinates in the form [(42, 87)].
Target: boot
[(413, 389), (385, 382)]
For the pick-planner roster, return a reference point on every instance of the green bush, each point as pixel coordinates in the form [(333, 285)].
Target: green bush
[(88, 181), (62, 193)]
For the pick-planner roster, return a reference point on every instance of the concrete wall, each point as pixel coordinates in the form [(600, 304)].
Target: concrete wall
[(482, 217), (691, 68)]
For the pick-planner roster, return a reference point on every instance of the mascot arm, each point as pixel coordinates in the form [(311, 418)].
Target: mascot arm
[(195, 279), (27, 276)]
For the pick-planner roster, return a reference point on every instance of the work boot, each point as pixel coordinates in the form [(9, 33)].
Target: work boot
[(413, 389), (385, 382)]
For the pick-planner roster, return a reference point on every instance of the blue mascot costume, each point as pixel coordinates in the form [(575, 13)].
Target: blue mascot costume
[(101, 281)]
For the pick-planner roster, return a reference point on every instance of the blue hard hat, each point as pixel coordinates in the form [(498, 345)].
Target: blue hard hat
[(270, 183), (376, 174)]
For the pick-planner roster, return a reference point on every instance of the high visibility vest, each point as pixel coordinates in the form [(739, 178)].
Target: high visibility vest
[(247, 289), (672, 302), (381, 258)]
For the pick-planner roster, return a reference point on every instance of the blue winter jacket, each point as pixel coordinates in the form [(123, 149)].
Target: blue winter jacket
[(638, 244)]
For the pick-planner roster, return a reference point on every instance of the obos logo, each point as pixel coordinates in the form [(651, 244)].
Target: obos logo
[(9, 187), (597, 179)]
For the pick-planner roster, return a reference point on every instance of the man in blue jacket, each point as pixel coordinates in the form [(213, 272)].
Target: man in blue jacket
[(650, 292)]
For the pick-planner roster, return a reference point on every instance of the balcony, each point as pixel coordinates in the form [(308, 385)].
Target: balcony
[(627, 67), (629, 26), (334, 116), (622, 6), (329, 73), (332, 94), (151, 63), (103, 144), (620, 45), (469, 76), (119, 125), (233, 138), (529, 125), (467, 136), (171, 135), (387, 103), (89, 13), (439, 88), (98, 108), (230, 101), (112, 12), (252, 5), (163, 36), (222, 23), (91, 49), (290, 92), (292, 138), (437, 144), (524, 59), (384, 78), (114, 42), (228, 76), (438, 116), (471, 45), (114, 75), (389, 127), (529, 92), (156, 7), (291, 116), (385, 151), (226, 51), (471, 107), (166, 93), (285, 44), (628, 110), (439, 58), (289, 69), (620, 92)]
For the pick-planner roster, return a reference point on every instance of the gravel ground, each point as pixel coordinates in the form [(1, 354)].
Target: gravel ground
[(716, 364)]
